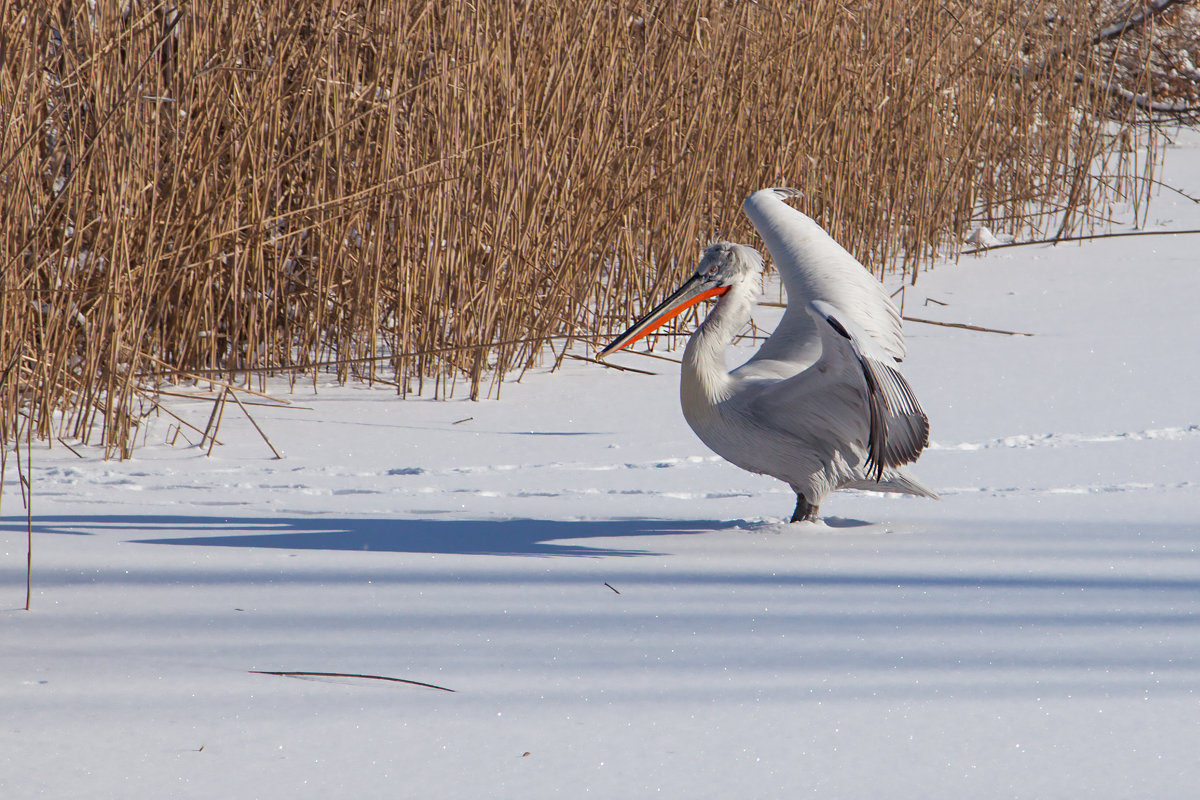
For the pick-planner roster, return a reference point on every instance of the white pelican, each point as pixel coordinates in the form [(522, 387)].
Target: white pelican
[(821, 405)]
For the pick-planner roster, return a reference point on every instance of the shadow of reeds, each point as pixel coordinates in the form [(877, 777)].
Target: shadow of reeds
[(496, 537)]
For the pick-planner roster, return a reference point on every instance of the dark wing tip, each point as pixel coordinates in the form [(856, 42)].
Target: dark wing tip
[(899, 428)]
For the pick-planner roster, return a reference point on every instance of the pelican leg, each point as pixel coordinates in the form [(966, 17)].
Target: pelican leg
[(805, 511)]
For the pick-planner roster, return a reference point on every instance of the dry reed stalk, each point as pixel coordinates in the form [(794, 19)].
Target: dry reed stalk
[(415, 191)]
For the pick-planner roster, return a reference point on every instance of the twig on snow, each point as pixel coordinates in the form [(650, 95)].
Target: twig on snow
[(1082, 238), (610, 366), (237, 400), (965, 326), (299, 674)]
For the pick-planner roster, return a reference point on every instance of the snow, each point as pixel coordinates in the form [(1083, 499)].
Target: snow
[(620, 613), (983, 237)]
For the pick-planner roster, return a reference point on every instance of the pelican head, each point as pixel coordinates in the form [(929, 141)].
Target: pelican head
[(724, 266)]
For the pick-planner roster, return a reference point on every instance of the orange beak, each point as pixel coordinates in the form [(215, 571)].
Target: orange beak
[(695, 289)]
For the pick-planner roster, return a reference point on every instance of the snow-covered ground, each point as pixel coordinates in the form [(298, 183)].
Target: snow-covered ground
[(618, 612)]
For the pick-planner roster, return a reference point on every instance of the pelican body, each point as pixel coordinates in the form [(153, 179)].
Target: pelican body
[(821, 405)]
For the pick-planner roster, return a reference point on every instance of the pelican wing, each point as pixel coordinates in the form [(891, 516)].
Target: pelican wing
[(821, 410), (851, 399), (898, 428), (815, 267)]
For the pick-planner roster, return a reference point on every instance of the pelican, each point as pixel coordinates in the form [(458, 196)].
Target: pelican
[(821, 406)]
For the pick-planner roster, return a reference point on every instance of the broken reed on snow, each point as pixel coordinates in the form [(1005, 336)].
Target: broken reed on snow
[(418, 191)]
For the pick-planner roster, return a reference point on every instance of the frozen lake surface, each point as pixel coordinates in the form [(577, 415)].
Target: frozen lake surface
[(620, 613)]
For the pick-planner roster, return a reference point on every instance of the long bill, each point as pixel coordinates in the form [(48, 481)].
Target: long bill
[(695, 289)]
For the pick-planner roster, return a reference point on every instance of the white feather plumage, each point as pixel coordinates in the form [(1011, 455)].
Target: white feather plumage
[(821, 405)]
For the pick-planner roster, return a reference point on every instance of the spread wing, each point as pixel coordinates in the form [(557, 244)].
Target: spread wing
[(899, 428), (815, 267), (852, 397)]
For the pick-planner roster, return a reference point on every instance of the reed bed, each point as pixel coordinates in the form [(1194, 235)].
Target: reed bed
[(437, 194)]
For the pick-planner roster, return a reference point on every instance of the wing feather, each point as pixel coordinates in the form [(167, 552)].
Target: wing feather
[(898, 427), (815, 267)]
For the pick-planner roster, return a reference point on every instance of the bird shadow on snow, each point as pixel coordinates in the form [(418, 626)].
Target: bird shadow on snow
[(498, 537)]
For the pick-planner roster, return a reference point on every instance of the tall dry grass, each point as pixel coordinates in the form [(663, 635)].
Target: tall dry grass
[(429, 192)]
